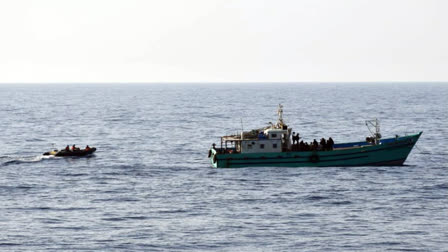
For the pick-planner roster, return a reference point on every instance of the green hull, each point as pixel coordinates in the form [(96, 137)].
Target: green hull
[(391, 152)]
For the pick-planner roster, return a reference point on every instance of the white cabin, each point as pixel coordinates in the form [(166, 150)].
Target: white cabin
[(275, 138), (272, 140), (257, 146)]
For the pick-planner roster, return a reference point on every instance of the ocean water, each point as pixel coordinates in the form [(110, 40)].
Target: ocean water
[(150, 186)]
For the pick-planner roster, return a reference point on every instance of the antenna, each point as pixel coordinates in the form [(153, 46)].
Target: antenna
[(242, 129), (280, 122)]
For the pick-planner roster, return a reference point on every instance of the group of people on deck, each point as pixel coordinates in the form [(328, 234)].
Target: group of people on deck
[(74, 148), (323, 145)]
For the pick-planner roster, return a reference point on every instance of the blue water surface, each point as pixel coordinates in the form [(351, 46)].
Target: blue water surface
[(150, 186)]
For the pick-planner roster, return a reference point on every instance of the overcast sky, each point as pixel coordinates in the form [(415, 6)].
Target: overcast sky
[(223, 41)]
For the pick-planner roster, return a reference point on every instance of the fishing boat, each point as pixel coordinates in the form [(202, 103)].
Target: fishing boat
[(276, 145)]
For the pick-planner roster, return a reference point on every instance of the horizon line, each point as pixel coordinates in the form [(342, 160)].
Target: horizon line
[(232, 82)]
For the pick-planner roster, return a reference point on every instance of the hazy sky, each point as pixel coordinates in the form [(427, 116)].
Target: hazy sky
[(220, 41)]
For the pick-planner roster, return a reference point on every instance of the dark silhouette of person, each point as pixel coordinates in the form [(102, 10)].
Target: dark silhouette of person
[(323, 144), (295, 138), (301, 146), (330, 143), (315, 144)]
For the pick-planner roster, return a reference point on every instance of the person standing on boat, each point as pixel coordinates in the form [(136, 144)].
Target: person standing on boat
[(315, 144), (307, 146), (330, 143), (295, 138), (67, 148), (323, 144)]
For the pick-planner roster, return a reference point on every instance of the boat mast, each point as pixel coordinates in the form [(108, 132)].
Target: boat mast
[(377, 131), (242, 129), (377, 135), (280, 122)]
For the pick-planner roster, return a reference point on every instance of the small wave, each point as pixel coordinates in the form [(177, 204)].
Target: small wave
[(114, 219), (137, 217), (416, 232), (306, 215), (173, 211), (385, 243), (69, 228), (76, 174), (9, 244), (36, 140), (442, 186), (315, 198), (45, 208), (344, 202)]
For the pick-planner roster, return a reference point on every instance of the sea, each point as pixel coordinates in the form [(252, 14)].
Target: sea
[(150, 186)]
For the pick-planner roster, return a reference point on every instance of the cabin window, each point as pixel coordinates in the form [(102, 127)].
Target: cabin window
[(274, 146), (274, 135), (261, 146)]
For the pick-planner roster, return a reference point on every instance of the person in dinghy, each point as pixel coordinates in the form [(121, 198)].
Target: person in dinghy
[(71, 152)]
